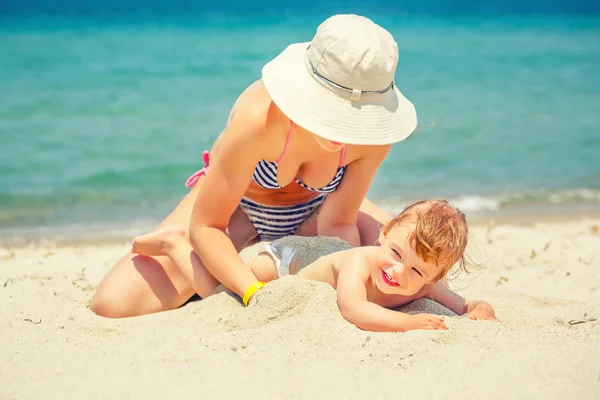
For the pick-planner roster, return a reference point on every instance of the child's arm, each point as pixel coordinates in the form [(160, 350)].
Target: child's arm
[(474, 309), (355, 308)]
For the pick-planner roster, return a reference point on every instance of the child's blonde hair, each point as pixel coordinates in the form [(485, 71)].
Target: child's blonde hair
[(440, 235)]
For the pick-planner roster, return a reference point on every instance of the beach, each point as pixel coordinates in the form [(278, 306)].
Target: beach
[(107, 108), (542, 277)]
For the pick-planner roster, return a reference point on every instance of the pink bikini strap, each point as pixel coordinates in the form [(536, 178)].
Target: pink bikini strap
[(191, 181), (287, 142), (342, 156)]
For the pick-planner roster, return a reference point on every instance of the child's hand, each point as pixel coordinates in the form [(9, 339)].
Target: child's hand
[(482, 313), (427, 321)]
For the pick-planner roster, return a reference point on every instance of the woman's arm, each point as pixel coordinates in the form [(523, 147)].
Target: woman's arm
[(241, 146), (338, 215)]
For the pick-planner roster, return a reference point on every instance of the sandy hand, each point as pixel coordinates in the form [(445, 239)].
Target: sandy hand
[(482, 314), (427, 321), (157, 243)]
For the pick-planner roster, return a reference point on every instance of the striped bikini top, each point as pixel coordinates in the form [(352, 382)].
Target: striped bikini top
[(265, 173)]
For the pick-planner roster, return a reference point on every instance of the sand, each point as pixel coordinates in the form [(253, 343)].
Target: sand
[(542, 278)]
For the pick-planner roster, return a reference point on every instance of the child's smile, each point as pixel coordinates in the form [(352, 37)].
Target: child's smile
[(389, 279)]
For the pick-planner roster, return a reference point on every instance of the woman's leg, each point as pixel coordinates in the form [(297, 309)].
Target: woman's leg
[(139, 285), (173, 243), (371, 219)]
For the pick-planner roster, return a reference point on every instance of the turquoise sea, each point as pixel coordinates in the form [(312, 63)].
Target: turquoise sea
[(102, 119)]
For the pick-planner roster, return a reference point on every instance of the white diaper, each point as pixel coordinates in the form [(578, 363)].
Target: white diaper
[(283, 258)]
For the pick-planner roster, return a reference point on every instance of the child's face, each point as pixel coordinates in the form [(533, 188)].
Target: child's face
[(398, 269)]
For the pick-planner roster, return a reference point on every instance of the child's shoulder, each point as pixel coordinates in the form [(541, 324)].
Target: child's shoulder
[(363, 250), (353, 260)]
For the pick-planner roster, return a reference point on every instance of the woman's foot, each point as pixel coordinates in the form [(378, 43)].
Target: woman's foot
[(157, 243)]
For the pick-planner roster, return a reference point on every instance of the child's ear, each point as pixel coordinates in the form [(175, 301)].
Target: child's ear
[(382, 235)]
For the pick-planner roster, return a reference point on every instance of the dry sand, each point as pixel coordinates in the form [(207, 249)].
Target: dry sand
[(292, 341)]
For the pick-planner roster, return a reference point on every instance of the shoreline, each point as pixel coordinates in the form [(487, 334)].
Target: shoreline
[(70, 236)]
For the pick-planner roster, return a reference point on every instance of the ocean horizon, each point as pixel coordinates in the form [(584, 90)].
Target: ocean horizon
[(102, 119)]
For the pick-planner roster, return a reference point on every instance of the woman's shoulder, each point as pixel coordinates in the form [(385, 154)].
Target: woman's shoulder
[(254, 116), (252, 103), (369, 154), (255, 107)]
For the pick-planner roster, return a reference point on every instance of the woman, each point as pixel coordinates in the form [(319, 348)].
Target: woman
[(297, 156)]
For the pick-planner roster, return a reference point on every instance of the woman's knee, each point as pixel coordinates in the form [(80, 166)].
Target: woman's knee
[(139, 285), (106, 306), (110, 299), (112, 305), (116, 304)]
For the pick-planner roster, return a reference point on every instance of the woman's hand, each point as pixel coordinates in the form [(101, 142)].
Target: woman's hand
[(339, 213)]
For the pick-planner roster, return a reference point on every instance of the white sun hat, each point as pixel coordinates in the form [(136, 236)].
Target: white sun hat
[(340, 86)]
